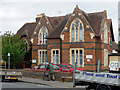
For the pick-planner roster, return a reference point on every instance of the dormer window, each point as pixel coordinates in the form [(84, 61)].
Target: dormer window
[(76, 31), (42, 34)]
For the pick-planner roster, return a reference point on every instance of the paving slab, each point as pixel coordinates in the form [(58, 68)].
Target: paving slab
[(55, 84)]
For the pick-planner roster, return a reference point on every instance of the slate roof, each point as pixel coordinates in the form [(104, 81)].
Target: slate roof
[(27, 28), (109, 22), (95, 21), (57, 31), (54, 21), (58, 23)]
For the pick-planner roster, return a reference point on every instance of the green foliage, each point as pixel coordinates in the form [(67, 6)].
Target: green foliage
[(15, 46), (119, 45)]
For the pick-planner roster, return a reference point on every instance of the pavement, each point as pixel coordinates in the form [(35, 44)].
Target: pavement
[(55, 84)]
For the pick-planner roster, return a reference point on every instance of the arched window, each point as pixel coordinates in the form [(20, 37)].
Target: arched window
[(42, 34), (76, 31)]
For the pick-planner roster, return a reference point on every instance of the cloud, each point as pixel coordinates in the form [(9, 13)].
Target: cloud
[(14, 13)]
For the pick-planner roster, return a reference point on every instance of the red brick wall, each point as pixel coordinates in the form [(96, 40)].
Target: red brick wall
[(94, 46)]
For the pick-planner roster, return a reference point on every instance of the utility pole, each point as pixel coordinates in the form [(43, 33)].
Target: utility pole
[(74, 66), (8, 60)]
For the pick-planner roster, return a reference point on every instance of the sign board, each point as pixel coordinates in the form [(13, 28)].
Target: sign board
[(34, 61), (89, 56), (8, 54)]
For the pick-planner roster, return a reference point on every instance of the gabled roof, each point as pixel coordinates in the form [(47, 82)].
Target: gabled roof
[(27, 28), (57, 31), (95, 20), (54, 21), (109, 22), (58, 23)]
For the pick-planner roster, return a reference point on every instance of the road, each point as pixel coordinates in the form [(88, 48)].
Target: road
[(22, 85)]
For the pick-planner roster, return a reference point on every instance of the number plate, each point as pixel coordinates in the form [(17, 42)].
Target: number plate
[(13, 78)]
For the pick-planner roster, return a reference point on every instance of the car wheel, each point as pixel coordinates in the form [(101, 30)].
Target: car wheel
[(103, 87)]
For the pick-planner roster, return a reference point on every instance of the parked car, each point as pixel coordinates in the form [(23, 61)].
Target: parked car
[(35, 67), (67, 67), (43, 67)]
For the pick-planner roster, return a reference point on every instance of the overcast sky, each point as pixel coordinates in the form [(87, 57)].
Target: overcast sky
[(15, 13)]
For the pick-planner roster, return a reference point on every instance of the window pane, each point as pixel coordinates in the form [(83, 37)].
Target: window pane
[(72, 33), (76, 33), (53, 57), (43, 38), (81, 35), (40, 57), (76, 56), (80, 26), (46, 36), (40, 38), (46, 55), (76, 22), (57, 56), (81, 58), (43, 57), (72, 57)]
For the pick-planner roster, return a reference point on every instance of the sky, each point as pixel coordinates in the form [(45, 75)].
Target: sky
[(15, 13)]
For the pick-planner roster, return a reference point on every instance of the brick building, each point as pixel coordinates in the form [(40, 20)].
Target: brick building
[(81, 37)]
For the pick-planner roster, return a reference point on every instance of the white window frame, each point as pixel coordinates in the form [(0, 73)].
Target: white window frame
[(55, 55), (42, 32), (78, 39), (78, 56), (45, 58)]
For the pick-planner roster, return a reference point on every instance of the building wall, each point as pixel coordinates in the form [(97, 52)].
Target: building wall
[(91, 45)]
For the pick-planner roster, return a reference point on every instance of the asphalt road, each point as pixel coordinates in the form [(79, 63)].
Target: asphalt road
[(22, 85)]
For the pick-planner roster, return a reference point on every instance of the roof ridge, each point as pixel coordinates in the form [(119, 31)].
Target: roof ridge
[(96, 12), (30, 22)]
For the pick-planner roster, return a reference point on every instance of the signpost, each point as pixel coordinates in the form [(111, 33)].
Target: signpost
[(8, 60)]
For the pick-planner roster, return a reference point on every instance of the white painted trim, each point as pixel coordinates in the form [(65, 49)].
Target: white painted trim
[(75, 31), (41, 55), (78, 55), (55, 55)]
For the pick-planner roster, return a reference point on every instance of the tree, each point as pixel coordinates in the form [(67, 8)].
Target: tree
[(11, 43)]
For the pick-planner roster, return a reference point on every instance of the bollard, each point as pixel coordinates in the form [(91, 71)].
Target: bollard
[(62, 79)]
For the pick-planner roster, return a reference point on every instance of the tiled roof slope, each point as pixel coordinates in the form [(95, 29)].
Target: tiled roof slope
[(95, 21), (58, 23), (57, 31), (54, 21), (109, 22), (27, 28)]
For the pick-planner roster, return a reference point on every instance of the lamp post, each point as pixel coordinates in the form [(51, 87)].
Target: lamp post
[(8, 60)]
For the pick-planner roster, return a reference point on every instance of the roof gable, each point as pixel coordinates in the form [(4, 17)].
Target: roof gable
[(57, 31), (27, 29)]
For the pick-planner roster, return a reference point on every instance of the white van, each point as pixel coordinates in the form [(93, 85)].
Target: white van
[(114, 66)]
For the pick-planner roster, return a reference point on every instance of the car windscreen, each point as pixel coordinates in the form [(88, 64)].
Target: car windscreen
[(42, 66), (56, 67), (64, 66)]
